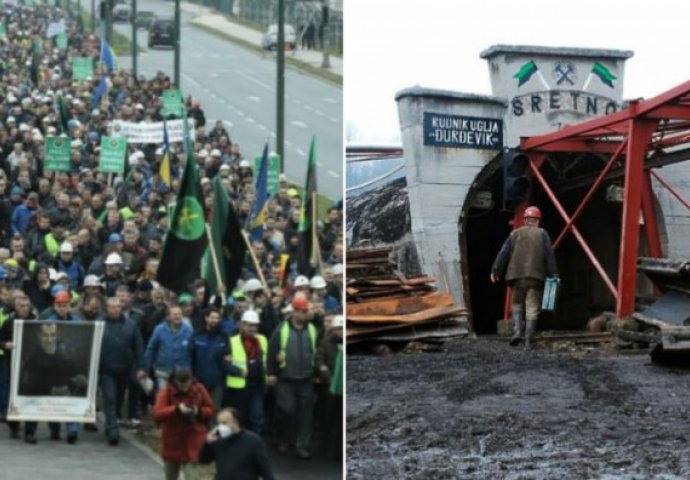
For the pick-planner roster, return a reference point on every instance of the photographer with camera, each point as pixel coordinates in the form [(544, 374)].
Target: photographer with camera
[(183, 407)]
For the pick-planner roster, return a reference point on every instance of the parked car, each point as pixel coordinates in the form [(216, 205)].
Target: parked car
[(122, 11), (162, 32), (144, 19), (269, 40)]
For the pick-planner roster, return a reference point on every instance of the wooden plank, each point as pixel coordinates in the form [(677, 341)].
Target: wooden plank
[(371, 330), (401, 306), (430, 314)]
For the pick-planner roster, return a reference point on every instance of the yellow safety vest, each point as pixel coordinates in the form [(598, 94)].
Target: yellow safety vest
[(239, 359), (285, 334)]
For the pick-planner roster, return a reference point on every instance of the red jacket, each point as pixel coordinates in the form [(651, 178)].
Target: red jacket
[(182, 436)]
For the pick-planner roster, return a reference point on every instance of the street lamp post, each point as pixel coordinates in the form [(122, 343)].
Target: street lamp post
[(177, 44), (326, 41), (280, 85), (134, 38), (93, 16)]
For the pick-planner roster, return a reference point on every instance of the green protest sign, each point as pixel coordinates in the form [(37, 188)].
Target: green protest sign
[(51, 3), (113, 151), (61, 41), (273, 173), (82, 68), (3, 30), (172, 103), (29, 3), (58, 153)]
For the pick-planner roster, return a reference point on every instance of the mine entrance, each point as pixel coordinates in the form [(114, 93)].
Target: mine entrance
[(485, 224)]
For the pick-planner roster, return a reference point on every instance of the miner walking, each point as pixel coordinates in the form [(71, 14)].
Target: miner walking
[(525, 260)]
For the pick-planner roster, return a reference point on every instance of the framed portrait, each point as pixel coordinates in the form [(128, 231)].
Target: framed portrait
[(55, 371)]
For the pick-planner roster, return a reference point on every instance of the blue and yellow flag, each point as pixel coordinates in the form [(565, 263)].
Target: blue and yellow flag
[(100, 95), (257, 219), (107, 56), (165, 162)]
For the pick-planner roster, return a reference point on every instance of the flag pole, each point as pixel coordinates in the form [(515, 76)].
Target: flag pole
[(255, 261), (214, 259), (315, 236)]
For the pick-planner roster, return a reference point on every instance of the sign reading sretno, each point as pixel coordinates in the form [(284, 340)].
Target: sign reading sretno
[(452, 131)]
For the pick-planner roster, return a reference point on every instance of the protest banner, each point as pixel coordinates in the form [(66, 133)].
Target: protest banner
[(151, 132), (54, 371)]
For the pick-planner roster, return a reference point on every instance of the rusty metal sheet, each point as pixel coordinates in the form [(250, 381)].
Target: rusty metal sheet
[(673, 307), (430, 314), (402, 305), (409, 334)]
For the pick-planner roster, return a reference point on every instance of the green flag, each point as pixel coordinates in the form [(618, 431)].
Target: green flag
[(62, 113), (186, 239), (603, 73), (307, 260), (227, 241), (525, 72)]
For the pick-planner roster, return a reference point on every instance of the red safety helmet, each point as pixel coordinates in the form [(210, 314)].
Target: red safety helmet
[(533, 212), (300, 302)]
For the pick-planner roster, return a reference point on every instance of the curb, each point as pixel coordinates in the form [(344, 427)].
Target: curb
[(297, 64)]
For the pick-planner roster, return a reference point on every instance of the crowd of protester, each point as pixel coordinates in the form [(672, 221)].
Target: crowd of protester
[(85, 245)]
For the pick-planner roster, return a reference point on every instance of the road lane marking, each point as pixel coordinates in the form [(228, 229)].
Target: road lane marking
[(319, 113), (250, 120), (301, 152), (228, 123), (333, 119), (252, 79), (330, 100), (297, 123), (333, 174), (213, 74), (254, 99), (262, 127)]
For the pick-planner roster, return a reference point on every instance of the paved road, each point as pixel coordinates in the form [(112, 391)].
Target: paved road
[(89, 459), (92, 458), (238, 85)]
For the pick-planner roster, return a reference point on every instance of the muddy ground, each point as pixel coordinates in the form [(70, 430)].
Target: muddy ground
[(483, 410)]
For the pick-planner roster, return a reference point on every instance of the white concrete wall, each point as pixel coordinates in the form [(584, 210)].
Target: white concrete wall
[(438, 179)]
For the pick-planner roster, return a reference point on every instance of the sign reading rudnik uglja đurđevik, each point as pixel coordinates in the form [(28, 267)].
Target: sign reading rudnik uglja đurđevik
[(453, 131)]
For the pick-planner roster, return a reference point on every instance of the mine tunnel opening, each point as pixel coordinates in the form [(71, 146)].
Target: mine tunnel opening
[(484, 225)]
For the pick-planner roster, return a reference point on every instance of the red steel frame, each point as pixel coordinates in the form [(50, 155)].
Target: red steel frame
[(644, 126)]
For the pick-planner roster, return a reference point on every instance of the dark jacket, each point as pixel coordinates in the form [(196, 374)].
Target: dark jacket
[(241, 456), (208, 349), (526, 253), (122, 349), (299, 354)]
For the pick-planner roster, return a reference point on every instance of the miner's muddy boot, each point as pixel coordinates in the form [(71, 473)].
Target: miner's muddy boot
[(529, 333), (517, 327)]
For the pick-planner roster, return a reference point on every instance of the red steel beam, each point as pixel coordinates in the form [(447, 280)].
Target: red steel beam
[(581, 145), (636, 110), (590, 193), (670, 188), (651, 222), (576, 232), (639, 135)]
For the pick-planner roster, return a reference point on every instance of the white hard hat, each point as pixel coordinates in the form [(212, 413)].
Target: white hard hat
[(337, 269), (301, 281), (60, 276), (92, 281), (66, 247), (252, 285), (250, 316), (113, 259), (215, 153), (317, 281), (337, 321), (245, 164)]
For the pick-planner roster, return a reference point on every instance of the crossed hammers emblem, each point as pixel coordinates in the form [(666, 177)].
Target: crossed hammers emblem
[(564, 71)]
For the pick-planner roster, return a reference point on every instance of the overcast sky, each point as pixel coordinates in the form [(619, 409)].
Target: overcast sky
[(391, 45)]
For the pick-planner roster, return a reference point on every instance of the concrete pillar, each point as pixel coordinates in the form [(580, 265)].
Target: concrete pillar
[(448, 137)]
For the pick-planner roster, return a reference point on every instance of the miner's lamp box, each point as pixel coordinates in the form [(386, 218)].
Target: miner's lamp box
[(551, 286)]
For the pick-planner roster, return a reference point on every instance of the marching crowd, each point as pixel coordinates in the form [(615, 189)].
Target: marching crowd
[(81, 245)]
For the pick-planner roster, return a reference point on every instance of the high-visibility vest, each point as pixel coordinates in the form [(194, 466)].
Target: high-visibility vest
[(239, 359), (285, 334)]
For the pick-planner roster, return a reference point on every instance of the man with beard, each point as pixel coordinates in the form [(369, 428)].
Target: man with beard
[(209, 348)]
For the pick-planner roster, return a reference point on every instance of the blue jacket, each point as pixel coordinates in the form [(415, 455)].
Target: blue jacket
[(208, 350), (168, 349), (20, 219), (74, 271)]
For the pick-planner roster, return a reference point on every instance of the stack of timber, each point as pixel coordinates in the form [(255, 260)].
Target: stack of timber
[(384, 305)]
